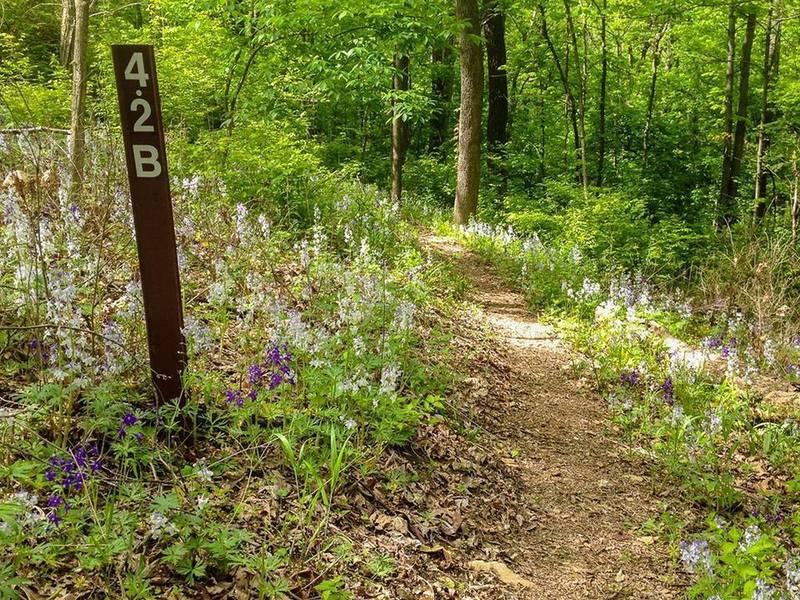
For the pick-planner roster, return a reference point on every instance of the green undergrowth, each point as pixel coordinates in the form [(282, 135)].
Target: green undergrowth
[(311, 349)]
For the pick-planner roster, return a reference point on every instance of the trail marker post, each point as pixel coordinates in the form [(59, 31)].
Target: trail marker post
[(145, 154)]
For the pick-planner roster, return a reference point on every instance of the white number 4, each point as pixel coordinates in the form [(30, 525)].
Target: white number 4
[(135, 69)]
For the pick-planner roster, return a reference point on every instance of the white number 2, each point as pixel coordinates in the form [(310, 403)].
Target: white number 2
[(135, 69), (141, 123)]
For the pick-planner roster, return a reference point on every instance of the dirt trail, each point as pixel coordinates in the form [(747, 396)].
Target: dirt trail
[(588, 500)]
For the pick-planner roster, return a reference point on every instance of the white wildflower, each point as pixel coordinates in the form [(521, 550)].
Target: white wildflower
[(389, 376)]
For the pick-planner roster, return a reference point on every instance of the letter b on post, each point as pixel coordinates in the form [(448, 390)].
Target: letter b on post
[(145, 157)]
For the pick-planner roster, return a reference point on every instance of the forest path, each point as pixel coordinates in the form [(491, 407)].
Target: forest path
[(587, 497)]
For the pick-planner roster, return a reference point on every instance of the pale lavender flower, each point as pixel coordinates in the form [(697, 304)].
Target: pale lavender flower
[(763, 591), (696, 556), (792, 569), (751, 535)]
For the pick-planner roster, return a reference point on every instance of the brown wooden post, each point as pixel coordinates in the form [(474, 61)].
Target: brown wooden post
[(145, 154)]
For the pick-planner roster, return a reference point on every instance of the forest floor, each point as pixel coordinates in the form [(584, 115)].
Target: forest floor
[(561, 506)]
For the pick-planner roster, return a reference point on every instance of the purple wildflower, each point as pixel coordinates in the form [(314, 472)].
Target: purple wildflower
[(275, 380), (668, 390), (630, 378), (234, 397), (129, 419), (80, 457), (254, 374)]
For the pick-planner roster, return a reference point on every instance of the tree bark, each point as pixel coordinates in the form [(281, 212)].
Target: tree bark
[(497, 118), (651, 98), (727, 118), (77, 130), (469, 118), (442, 93), (769, 71), (401, 134), (601, 150), (571, 104), (65, 47), (581, 98), (730, 184)]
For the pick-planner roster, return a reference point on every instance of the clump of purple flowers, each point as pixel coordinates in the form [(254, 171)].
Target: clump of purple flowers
[(129, 420), (631, 378), (274, 371), (728, 348), (45, 354), (70, 474), (668, 390)]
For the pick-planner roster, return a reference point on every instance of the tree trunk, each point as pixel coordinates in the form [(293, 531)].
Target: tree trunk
[(651, 98), (727, 119), (469, 118), (601, 150), (401, 134), (65, 48), (77, 137), (770, 70), (581, 98), (542, 133), (571, 104), (729, 192), (442, 92), (497, 118)]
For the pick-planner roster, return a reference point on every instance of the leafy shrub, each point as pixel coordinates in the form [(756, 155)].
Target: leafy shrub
[(611, 229), (430, 179), (547, 226)]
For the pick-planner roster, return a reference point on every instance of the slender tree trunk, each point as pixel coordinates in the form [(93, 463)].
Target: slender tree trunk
[(65, 48), (729, 191), (77, 137), (364, 132), (651, 98), (571, 116), (581, 97), (497, 117), (469, 118), (442, 92), (601, 150), (542, 133), (401, 134), (770, 66), (727, 119), (571, 105)]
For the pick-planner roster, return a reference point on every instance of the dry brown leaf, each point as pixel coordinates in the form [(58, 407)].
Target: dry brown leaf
[(503, 573)]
